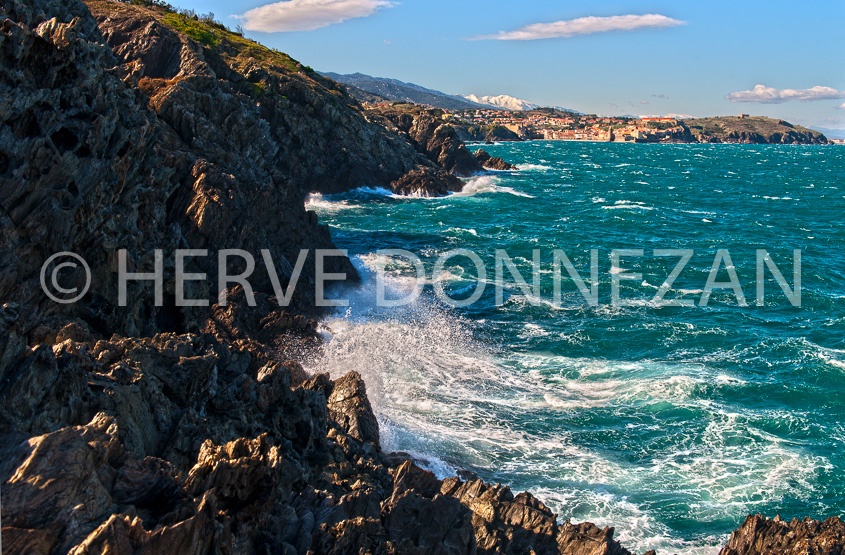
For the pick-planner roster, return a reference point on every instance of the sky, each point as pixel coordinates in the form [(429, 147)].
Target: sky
[(782, 59)]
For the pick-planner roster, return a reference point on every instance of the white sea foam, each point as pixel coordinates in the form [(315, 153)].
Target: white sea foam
[(316, 201), (450, 400), (462, 231), (628, 205), (487, 184), (532, 167)]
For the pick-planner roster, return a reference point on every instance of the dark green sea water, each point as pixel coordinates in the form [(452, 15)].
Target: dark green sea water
[(670, 423)]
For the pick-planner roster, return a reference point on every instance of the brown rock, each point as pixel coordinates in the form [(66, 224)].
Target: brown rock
[(492, 163), (423, 181), (241, 469), (759, 535), (350, 409), (61, 470), (32, 542), (431, 136)]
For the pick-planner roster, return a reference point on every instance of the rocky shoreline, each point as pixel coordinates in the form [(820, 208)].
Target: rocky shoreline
[(149, 427)]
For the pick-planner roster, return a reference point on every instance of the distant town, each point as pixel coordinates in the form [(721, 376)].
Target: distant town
[(561, 126), (506, 118), (553, 124)]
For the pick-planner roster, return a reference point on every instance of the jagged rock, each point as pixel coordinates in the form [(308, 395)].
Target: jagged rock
[(166, 158), (484, 133), (427, 131), (356, 535), (505, 523), (31, 542), (424, 181), (58, 471), (242, 470), (121, 534), (418, 525), (759, 535), (588, 539), (350, 409), (65, 482), (492, 162), (410, 477)]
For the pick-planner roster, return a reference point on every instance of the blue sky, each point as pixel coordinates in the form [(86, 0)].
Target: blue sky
[(707, 50)]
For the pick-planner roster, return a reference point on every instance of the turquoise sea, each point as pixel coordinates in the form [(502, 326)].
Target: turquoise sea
[(669, 423)]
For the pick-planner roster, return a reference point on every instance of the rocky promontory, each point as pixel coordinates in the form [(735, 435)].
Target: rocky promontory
[(425, 129), (483, 133), (749, 130), (147, 426)]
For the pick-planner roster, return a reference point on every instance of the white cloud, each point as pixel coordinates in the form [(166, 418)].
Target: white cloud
[(770, 95), (584, 26), (841, 106), (307, 15)]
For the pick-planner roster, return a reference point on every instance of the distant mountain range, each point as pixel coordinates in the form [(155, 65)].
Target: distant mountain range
[(367, 88), (393, 89), (831, 133), (515, 104), (502, 101)]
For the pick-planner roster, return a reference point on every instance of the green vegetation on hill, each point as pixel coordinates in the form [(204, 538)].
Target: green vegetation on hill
[(756, 129), (232, 46), (197, 30)]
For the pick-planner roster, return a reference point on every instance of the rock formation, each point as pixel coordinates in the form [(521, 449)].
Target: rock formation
[(150, 427), (492, 162), (431, 136), (480, 133), (749, 130), (759, 534)]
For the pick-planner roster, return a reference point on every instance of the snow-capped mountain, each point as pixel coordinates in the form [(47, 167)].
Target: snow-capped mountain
[(502, 101)]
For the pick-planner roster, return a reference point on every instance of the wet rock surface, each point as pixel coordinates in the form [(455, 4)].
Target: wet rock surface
[(417, 182), (492, 162)]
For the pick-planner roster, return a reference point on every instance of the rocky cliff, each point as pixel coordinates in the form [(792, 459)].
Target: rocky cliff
[(467, 132), (148, 427), (431, 136), (750, 130)]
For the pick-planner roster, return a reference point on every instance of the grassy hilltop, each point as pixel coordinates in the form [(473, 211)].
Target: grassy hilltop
[(752, 129)]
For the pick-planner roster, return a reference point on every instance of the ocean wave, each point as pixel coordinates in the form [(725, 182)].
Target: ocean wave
[(374, 191), (316, 201), (383, 192), (533, 167), (452, 401), (628, 205), (487, 184), (635, 527), (694, 418), (462, 231)]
